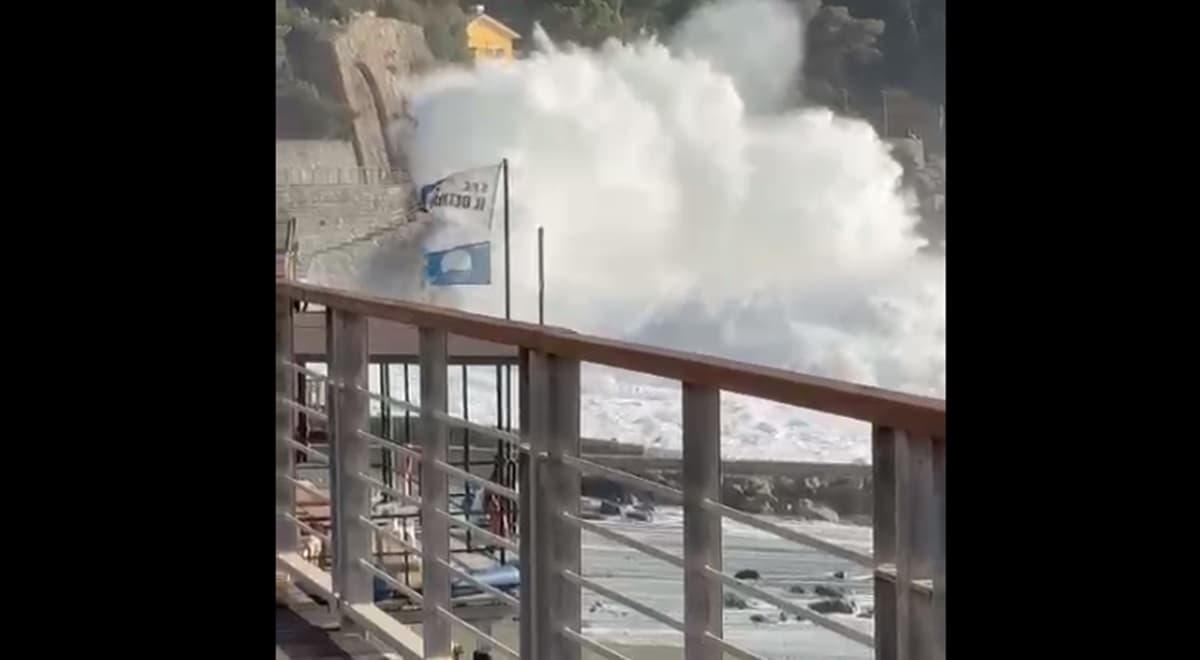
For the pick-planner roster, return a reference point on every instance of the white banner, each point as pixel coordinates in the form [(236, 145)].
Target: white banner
[(467, 197)]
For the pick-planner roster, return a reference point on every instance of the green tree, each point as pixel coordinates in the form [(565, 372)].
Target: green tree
[(840, 50), (585, 22), (443, 22), (303, 114)]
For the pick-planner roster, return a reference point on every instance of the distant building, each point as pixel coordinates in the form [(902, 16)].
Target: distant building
[(489, 39)]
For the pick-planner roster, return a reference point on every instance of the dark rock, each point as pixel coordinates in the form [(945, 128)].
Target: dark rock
[(759, 485), (809, 510), (746, 574), (635, 514), (602, 488), (796, 589), (610, 508), (758, 618), (839, 575), (832, 606), (830, 592), (641, 504), (735, 602), (846, 497), (783, 616), (750, 494)]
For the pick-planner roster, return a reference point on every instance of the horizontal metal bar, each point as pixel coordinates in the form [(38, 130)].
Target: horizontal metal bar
[(306, 573), (312, 490), (486, 484), (392, 536), (498, 540), (888, 572), (391, 401), (482, 586), (391, 581), (451, 420), (479, 634), (592, 645), (790, 534), (380, 486), (598, 530), (304, 370), (731, 649), (389, 444), (301, 408), (622, 477), (622, 599), (385, 629), (488, 431), (302, 525), (305, 449), (301, 447), (798, 610)]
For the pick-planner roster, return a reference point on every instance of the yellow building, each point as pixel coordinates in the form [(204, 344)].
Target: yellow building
[(489, 39)]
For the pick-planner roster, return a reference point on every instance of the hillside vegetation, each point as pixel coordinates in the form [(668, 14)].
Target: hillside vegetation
[(856, 49)]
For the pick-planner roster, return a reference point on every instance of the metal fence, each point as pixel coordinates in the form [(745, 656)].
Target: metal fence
[(908, 472)]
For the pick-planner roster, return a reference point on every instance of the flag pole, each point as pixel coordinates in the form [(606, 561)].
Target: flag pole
[(507, 269), (507, 296), (541, 278)]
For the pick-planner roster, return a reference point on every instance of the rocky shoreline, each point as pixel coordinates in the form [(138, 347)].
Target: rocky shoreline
[(837, 499)]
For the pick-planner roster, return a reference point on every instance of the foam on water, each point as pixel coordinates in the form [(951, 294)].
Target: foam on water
[(684, 207)]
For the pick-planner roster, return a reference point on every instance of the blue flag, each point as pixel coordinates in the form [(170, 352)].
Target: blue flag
[(465, 264)]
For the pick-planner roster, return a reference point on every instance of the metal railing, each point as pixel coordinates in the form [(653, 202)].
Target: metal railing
[(338, 176), (908, 468)]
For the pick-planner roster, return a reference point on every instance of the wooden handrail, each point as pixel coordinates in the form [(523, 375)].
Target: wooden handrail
[(917, 415)]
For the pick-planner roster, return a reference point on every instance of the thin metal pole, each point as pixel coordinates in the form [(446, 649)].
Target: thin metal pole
[(541, 277), (466, 464), (507, 295), (883, 95), (386, 459), (507, 269), (407, 414)]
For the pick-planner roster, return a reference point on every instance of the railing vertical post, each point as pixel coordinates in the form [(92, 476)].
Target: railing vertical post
[(435, 534), (287, 537), (702, 595), (922, 541), (348, 363), (904, 514), (526, 533), (883, 482), (939, 550), (554, 421)]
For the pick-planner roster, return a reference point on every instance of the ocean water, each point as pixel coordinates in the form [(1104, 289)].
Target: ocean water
[(638, 409)]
